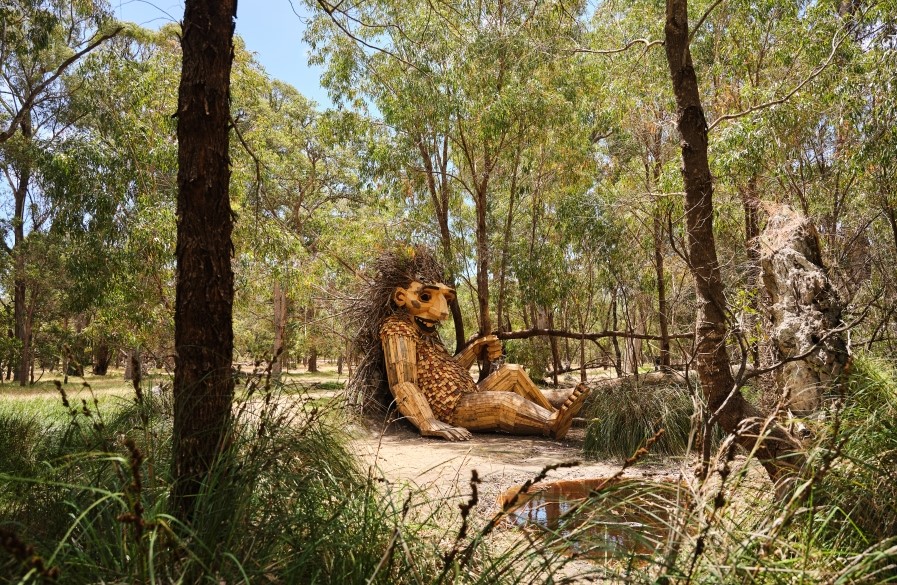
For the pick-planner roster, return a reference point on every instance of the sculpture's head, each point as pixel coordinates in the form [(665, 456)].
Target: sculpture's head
[(427, 303), (394, 279)]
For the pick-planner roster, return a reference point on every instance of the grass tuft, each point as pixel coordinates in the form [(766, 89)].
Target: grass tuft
[(623, 417)]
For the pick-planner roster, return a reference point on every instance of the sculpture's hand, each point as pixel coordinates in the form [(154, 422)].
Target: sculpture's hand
[(493, 346), (437, 428)]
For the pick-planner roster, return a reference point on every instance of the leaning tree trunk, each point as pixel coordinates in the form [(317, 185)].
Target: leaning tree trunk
[(203, 382), (775, 448)]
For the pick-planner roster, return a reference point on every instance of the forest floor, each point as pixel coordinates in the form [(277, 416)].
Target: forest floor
[(399, 455), (444, 468)]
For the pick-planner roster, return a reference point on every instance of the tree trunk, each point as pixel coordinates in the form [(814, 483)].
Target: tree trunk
[(505, 246), (20, 312), (618, 355), (750, 200), (662, 314), (555, 353), (101, 358), (133, 357), (313, 360), (439, 194), (203, 382), (482, 243), (280, 330), (583, 375), (776, 449)]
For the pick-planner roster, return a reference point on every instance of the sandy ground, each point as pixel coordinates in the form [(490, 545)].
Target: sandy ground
[(444, 468)]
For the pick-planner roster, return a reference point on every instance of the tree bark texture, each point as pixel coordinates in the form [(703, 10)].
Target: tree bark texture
[(775, 448), (280, 330), (102, 355), (313, 360), (805, 311), (203, 382)]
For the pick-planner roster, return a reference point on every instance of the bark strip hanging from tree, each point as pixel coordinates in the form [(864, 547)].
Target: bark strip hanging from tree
[(779, 452), (203, 382)]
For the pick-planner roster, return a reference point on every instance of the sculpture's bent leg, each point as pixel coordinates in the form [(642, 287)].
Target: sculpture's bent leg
[(512, 413), (505, 411), (513, 378)]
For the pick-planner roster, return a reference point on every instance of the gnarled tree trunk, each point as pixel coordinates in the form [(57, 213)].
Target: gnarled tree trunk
[(805, 310)]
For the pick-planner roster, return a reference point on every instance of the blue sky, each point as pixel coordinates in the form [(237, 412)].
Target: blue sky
[(270, 28)]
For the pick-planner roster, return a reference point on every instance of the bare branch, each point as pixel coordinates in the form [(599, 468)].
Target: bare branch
[(594, 336), (648, 44), (700, 22)]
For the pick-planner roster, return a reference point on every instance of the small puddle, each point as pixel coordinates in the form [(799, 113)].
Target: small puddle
[(625, 516)]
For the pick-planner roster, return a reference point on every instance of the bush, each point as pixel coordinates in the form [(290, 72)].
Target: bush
[(622, 417), (863, 480)]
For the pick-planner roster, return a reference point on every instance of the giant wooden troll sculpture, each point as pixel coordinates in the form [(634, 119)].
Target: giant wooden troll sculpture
[(434, 390)]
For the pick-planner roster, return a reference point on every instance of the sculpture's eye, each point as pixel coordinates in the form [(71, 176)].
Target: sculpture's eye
[(425, 297)]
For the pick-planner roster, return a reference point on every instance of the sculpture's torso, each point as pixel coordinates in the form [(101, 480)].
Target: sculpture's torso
[(441, 379)]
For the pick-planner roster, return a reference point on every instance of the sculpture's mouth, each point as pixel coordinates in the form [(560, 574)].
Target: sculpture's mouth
[(426, 325)]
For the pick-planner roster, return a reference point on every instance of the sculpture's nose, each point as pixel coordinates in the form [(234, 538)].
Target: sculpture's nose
[(440, 307)]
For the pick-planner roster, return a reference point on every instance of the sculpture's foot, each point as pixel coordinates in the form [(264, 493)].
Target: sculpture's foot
[(561, 420)]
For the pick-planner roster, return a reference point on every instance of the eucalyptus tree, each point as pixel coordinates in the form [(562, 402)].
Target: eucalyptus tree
[(41, 41), (777, 450), (298, 185), (463, 88), (129, 90), (639, 145)]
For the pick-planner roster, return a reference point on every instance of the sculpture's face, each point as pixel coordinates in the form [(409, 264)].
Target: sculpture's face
[(427, 303)]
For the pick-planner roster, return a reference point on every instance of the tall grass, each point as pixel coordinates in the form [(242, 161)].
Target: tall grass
[(622, 417), (838, 524), (83, 499)]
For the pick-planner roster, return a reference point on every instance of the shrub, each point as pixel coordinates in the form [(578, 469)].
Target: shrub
[(622, 417)]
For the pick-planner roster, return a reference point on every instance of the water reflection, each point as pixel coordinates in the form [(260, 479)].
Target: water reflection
[(597, 517)]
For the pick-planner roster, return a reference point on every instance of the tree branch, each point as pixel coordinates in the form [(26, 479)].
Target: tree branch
[(648, 44), (778, 101), (28, 102), (594, 336), (700, 22)]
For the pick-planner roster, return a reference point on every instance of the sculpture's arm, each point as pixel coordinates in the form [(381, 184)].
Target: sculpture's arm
[(400, 355), (469, 354)]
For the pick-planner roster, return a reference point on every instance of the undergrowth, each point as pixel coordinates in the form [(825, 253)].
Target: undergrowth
[(83, 499), (622, 417), (84, 491)]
